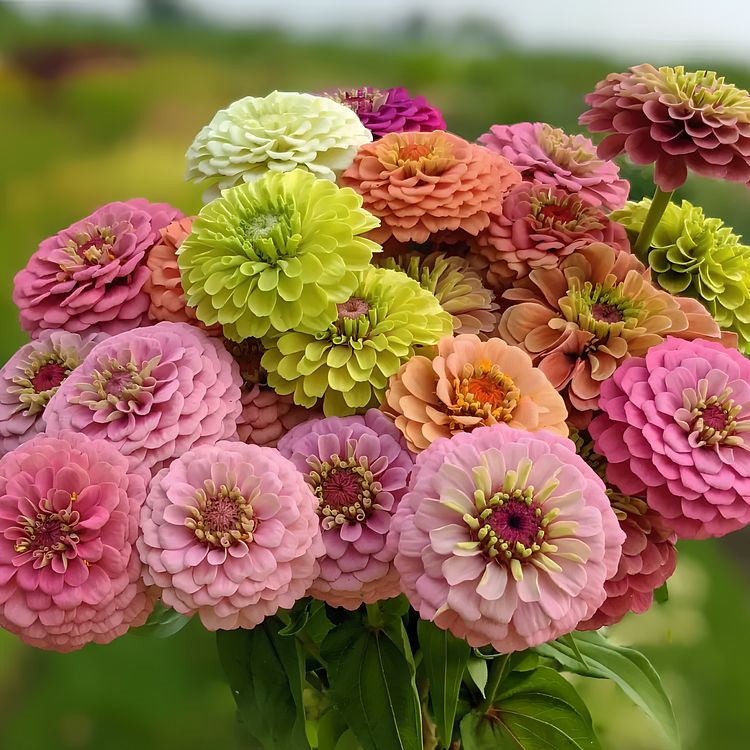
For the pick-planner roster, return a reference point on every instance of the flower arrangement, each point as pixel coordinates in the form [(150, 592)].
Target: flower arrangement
[(404, 419)]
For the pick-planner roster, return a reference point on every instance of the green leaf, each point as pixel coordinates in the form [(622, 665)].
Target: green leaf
[(569, 641), (162, 623), (330, 729), (372, 684), (445, 658), (299, 614), (477, 669), (265, 672), (628, 668), (537, 710), (318, 625), (661, 595)]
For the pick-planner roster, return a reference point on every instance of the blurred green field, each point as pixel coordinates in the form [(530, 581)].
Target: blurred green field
[(116, 126)]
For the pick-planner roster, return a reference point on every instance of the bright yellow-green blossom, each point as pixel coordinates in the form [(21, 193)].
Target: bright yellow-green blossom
[(276, 254), (695, 256), (349, 362)]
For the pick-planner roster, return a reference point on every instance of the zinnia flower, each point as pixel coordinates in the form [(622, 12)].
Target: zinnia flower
[(679, 120), (699, 257), (153, 393), (548, 155), (419, 183), (358, 470), (276, 254), (69, 570), (583, 319), (32, 376), (230, 532), (539, 226), (505, 537), (389, 110), (348, 363), (468, 384), (276, 133), (673, 431), (90, 276)]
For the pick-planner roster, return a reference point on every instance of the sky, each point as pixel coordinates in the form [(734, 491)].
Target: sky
[(658, 31)]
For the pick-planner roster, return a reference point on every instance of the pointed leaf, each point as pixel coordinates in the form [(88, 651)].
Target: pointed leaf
[(299, 614), (477, 669), (445, 658), (162, 623), (330, 729), (661, 595)]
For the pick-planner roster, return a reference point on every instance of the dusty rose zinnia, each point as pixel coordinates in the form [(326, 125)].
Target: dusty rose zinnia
[(673, 430), (230, 532), (358, 469), (153, 392), (550, 156), (505, 538), (679, 120), (69, 570), (32, 376), (90, 276), (468, 384), (389, 110), (419, 183)]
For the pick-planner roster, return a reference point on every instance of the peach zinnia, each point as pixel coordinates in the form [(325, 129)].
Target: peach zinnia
[(421, 183), (469, 384)]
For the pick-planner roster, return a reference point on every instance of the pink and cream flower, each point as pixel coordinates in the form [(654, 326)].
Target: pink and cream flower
[(505, 538)]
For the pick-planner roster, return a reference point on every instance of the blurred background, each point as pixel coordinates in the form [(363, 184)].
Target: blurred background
[(100, 99)]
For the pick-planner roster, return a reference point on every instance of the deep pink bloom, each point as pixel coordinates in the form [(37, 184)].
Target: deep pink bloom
[(674, 427), (154, 392), (90, 276), (230, 532), (358, 468), (389, 110), (32, 376), (505, 537), (69, 570), (546, 154)]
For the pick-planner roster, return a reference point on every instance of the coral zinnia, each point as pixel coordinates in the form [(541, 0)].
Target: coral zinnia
[(389, 110), (550, 156), (348, 362), (472, 383), (358, 469), (699, 257), (276, 254), (674, 427), (90, 276), (420, 183), (153, 393), (505, 537), (679, 120), (276, 133), (230, 532), (69, 570)]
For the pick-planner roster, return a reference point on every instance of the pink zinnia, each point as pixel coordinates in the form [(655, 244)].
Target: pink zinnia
[(673, 430), (505, 538), (546, 154), (153, 392), (358, 468), (230, 532), (69, 570), (90, 276), (32, 376)]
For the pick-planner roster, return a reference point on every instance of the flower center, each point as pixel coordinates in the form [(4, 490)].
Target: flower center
[(48, 534), (247, 354), (345, 487), (223, 516), (49, 376), (571, 153), (602, 309), (415, 151), (711, 420), (485, 391), (426, 154), (92, 247), (362, 101), (353, 308), (606, 313), (557, 213), (260, 225)]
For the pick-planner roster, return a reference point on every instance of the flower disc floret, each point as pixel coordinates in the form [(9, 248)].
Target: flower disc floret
[(277, 133), (505, 538), (277, 254), (348, 363)]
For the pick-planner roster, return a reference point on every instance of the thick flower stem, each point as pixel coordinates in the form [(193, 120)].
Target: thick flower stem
[(498, 672), (659, 203)]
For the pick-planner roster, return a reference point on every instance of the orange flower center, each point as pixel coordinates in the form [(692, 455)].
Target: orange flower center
[(423, 154), (486, 392), (415, 151)]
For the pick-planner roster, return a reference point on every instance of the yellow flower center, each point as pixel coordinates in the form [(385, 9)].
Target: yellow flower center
[(485, 391)]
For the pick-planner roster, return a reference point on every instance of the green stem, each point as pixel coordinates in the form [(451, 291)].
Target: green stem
[(659, 203), (311, 647), (375, 616), (498, 672)]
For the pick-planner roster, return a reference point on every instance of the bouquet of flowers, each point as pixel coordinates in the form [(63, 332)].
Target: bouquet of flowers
[(404, 419)]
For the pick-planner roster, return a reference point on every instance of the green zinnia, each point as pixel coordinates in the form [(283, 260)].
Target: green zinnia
[(276, 254), (349, 361), (696, 256)]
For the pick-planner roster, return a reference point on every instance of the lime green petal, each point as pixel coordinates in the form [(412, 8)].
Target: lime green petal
[(340, 380), (338, 356)]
